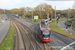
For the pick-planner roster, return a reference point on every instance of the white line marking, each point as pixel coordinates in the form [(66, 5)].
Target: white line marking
[(68, 45)]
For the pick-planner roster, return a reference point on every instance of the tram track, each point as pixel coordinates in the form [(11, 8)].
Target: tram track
[(16, 40), (19, 44), (35, 36)]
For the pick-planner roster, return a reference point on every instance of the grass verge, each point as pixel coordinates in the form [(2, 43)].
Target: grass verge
[(0, 19), (53, 23), (7, 43), (31, 22), (22, 18), (0, 14), (38, 20), (62, 32)]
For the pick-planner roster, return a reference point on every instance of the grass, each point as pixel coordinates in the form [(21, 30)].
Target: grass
[(38, 20), (0, 19), (53, 23), (0, 14), (22, 18), (7, 43), (53, 48), (53, 19), (62, 32), (31, 22)]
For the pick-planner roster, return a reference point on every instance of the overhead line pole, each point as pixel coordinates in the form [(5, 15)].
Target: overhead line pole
[(48, 18), (32, 14), (55, 15), (24, 12)]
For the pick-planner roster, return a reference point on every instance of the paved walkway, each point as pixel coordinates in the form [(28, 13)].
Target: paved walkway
[(62, 24), (4, 27)]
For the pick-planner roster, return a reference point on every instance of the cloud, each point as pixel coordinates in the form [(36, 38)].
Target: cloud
[(9, 4), (3, 2), (68, 2), (18, 1)]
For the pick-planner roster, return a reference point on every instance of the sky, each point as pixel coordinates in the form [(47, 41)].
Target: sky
[(10, 4)]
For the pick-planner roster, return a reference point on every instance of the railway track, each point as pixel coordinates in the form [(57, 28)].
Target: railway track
[(35, 44), (19, 44), (34, 37), (29, 39), (15, 39)]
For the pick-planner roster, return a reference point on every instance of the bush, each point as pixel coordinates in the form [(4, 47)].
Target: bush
[(68, 23)]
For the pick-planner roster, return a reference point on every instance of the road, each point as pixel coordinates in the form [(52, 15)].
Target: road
[(4, 27), (56, 39)]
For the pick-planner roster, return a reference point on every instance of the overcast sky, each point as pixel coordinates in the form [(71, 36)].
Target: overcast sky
[(10, 4)]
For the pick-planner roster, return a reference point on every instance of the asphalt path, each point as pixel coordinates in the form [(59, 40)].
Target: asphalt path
[(57, 41), (4, 27), (62, 24)]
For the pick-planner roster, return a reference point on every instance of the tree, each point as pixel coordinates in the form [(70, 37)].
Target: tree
[(40, 10), (15, 11), (43, 7), (73, 12)]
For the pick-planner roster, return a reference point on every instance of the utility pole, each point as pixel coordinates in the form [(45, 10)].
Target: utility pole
[(74, 7), (40, 11), (40, 14), (32, 14), (55, 15), (51, 16), (24, 12), (68, 14), (48, 18)]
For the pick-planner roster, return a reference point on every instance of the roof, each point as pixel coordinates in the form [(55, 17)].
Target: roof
[(43, 26)]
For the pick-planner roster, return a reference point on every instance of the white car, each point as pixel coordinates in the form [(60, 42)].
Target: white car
[(2, 21)]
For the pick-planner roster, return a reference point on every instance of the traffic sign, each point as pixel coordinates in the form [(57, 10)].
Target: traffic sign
[(64, 26), (35, 17)]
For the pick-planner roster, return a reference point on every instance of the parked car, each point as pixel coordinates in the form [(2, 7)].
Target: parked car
[(6, 19), (2, 21)]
